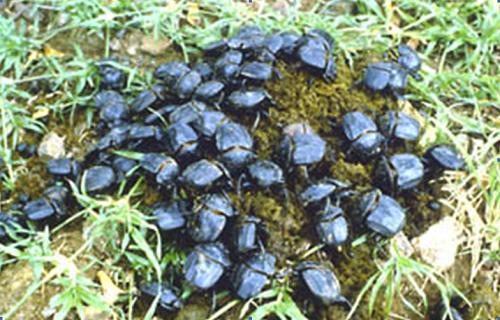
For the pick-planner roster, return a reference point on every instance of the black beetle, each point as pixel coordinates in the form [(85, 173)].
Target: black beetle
[(205, 70), (165, 169), (210, 92), (182, 140), (210, 217), (399, 125), (383, 76), (331, 226), (322, 283), (50, 207), (208, 123), (271, 46), (26, 150), (398, 172), (204, 174), (8, 224), (318, 194), (122, 166), (443, 157), (113, 108), (111, 77), (149, 98), (290, 41), (382, 213), (169, 300), (206, 264), (315, 53), (187, 84), (252, 275), (227, 66), (171, 72), (248, 101), (64, 167), (265, 174), (301, 146), (234, 143), (98, 179), (410, 60), (365, 141), (171, 216), (246, 234), (256, 72), (189, 112)]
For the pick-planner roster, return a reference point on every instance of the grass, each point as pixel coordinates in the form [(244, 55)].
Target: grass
[(458, 40)]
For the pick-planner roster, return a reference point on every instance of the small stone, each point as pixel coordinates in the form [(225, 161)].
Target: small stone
[(438, 246), (154, 47), (403, 244), (52, 146)]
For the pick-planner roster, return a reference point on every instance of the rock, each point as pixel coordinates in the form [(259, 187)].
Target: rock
[(52, 146), (154, 47), (438, 246), (401, 241)]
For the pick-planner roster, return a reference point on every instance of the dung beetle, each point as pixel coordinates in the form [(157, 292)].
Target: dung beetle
[(399, 125), (382, 213), (251, 276), (169, 301), (210, 92), (398, 172), (301, 147), (187, 84), (204, 174), (246, 234), (322, 283), (182, 140), (443, 157), (234, 143), (165, 169), (270, 48), (386, 76), (314, 53), (172, 216), (205, 70), (361, 132), (26, 150), (208, 123), (206, 264), (290, 41), (65, 168), (171, 72), (122, 166), (8, 224), (248, 100), (98, 179), (189, 112), (149, 98), (410, 60), (265, 174), (113, 108), (256, 72), (227, 66), (322, 34), (318, 194), (111, 77), (210, 217), (51, 207), (331, 226)]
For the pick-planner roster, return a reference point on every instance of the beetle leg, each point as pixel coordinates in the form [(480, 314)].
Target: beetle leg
[(255, 123), (344, 301)]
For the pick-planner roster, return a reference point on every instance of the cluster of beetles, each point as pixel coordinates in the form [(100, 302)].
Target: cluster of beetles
[(185, 126)]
